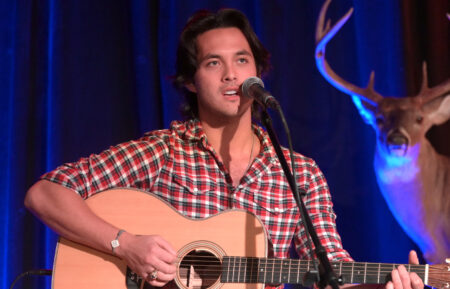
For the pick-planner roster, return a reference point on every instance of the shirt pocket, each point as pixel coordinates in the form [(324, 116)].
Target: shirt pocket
[(194, 184), (275, 204)]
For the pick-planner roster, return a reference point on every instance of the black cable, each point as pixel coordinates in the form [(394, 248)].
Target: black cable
[(40, 272)]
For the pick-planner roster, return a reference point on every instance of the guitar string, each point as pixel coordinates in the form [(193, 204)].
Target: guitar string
[(305, 262), (279, 273), (357, 271), (263, 279), (354, 265), (345, 266), (257, 276)]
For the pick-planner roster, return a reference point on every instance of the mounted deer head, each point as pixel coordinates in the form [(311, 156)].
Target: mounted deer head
[(413, 177)]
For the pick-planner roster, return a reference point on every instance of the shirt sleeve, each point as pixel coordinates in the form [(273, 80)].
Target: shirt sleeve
[(320, 208), (132, 164)]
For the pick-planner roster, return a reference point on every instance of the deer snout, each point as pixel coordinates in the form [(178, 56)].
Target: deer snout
[(397, 143)]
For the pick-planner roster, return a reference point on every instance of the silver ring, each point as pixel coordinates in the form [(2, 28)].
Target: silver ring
[(154, 275)]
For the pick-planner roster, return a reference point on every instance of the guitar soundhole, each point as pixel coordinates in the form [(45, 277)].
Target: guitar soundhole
[(199, 269)]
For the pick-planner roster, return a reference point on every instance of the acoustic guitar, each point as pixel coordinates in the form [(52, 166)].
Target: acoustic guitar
[(227, 250)]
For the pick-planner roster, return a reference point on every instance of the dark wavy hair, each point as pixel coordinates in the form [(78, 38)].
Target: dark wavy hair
[(186, 63)]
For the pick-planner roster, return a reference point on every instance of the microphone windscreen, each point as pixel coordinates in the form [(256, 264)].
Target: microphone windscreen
[(248, 83)]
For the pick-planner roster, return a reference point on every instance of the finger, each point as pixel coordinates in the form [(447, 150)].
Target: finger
[(416, 282), (163, 277), (156, 283), (396, 279), (413, 259), (160, 280), (164, 267), (389, 285), (404, 277), (167, 247)]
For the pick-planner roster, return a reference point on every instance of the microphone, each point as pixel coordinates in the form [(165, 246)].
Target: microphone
[(253, 87)]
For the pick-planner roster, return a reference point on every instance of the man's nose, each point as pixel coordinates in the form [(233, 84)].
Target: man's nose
[(229, 73)]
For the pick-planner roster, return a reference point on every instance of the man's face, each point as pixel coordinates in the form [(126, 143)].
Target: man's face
[(224, 60)]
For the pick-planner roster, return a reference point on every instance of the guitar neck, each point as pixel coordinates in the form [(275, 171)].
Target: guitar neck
[(277, 271)]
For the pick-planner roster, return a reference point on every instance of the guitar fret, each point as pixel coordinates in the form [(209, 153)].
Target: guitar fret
[(233, 267), (234, 270), (239, 270), (284, 276), (365, 272), (257, 266), (273, 270), (245, 268), (248, 269), (378, 279), (266, 270), (351, 278), (278, 268), (425, 275), (289, 271), (239, 264), (230, 275)]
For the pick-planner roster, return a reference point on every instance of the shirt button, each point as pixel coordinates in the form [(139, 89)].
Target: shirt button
[(195, 190), (277, 209)]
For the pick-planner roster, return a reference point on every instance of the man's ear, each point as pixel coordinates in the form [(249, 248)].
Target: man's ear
[(191, 87)]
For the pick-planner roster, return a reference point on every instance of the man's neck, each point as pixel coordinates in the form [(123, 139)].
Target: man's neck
[(231, 135), (235, 144)]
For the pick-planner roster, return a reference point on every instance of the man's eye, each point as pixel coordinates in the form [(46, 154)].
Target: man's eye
[(242, 60), (212, 63)]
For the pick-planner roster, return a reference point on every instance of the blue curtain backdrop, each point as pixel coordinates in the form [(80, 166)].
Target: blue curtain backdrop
[(77, 76)]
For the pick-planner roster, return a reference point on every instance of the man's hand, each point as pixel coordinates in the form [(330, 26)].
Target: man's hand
[(402, 279), (151, 257)]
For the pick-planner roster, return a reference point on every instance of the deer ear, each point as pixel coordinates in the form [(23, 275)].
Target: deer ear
[(365, 109), (438, 109)]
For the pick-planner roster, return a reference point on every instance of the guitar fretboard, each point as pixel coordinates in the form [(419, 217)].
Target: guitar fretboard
[(277, 271)]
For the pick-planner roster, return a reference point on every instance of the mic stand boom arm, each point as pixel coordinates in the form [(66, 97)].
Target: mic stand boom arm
[(327, 275)]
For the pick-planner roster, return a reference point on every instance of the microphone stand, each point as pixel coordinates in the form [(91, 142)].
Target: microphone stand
[(325, 276)]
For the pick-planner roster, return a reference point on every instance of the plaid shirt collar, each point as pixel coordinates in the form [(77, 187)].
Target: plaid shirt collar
[(192, 131)]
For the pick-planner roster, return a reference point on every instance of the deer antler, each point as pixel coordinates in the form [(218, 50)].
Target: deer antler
[(427, 93), (323, 36)]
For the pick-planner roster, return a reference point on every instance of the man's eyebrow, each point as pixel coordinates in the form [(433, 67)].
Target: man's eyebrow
[(243, 52), (209, 56)]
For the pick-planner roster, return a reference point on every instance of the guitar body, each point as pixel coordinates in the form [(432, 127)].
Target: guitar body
[(234, 233), (227, 251)]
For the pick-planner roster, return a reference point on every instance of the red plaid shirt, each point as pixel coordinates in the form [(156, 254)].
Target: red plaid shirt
[(180, 166)]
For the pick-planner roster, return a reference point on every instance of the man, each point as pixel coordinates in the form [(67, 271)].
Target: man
[(215, 161)]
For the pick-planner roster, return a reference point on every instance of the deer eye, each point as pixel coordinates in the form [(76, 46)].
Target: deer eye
[(419, 119), (379, 120)]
